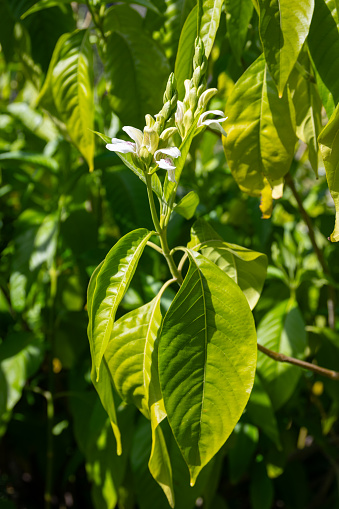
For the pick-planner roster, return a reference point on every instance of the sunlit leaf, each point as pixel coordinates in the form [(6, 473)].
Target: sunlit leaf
[(246, 267), (69, 85), (209, 23), (187, 205), (132, 359), (207, 333), (261, 136), (283, 27)]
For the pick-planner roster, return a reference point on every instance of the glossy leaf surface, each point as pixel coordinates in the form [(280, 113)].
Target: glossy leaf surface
[(69, 87), (283, 26), (207, 333), (187, 205), (307, 106), (261, 136), (328, 141), (281, 330), (323, 43), (246, 267), (111, 284), (183, 62), (132, 360)]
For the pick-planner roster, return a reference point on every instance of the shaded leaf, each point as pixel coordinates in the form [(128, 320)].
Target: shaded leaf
[(260, 411), (135, 66), (307, 106), (282, 330), (245, 439), (328, 142), (206, 334), (238, 16), (323, 43)]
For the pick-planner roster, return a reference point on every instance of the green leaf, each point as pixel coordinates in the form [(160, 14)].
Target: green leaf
[(30, 158), (282, 330), (246, 267), (20, 357), (207, 333), (69, 86), (323, 43), (135, 66), (175, 16), (260, 411), (245, 439), (209, 23), (43, 4), (187, 205), (111, 284), (184, 60), (261, 136), (307, 104), (132, 359), (283, 27), (238, 16), (328, 142), (103, 386), (261, 487)]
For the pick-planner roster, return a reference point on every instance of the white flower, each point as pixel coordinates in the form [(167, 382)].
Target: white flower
[(127, 146), (166, 163), (213, 123)]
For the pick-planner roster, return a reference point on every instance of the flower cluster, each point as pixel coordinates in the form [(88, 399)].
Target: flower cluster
[(150, 146)]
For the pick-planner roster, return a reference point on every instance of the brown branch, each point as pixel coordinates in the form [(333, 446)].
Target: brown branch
[(317, 250), (280, 357)]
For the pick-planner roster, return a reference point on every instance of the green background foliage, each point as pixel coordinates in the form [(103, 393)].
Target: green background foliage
[(68, 69)]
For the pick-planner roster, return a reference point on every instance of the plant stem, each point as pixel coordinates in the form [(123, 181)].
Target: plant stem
[(330, 289), (155, 247), (280, 357), (162, 232)]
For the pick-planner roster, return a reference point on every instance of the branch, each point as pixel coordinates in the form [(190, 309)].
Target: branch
[(280, 357), (317, 250)]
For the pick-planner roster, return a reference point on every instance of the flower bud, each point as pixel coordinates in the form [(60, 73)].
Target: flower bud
[(197, 77), (205, 97), (170, 88), (200, 90), (199, 53), (188, 119), (193, 98), (149, 120), (167, 133), (187, 84)]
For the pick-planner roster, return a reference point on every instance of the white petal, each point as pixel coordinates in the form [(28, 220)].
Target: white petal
[(215, 126), (124, 147), (170, 151), (204, 115), (166, 164), (135, 134)]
